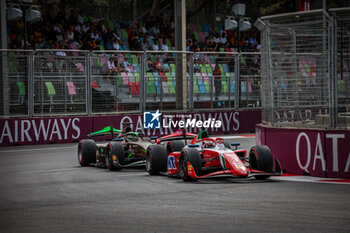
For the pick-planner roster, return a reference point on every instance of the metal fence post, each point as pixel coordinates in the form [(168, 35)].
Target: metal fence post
[(191, 94), (332, 66), (4, 84), (143, 83), (31, 85), (294, 59), (88, 94), (270, 78), (237, 82)]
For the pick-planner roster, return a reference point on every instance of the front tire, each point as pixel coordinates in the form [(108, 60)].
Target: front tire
[(192, 156), (156, 159), (115, 149), (86, 152), (260, 158)]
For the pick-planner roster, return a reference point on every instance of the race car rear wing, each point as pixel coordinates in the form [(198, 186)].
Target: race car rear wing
[(107, 131)]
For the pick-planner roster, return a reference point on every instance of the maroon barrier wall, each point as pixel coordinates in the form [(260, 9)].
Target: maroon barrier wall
[(323, 153), (18, 131)]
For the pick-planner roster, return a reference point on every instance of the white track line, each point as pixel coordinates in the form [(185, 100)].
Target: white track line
[(310, 179), (52, 170)]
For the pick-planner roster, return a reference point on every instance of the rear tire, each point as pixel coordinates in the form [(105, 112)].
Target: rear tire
[(260, 158), (192, 156), (86, 152), (156, 159), (175, 145), (114, 149)]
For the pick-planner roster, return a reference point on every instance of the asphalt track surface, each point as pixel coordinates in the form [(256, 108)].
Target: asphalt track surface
[(42, 189)]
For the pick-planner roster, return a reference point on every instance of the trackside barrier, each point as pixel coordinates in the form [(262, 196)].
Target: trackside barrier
[(43, 130), (305, 99), (315, 152)]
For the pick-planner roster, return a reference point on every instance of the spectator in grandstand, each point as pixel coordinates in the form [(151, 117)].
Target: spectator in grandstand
[(143, 44), (109, 44), (110, 66), (116, 35), (216, 39), (60, 62), (142, 29), (150, 41), (70, 34), (154, 30), (223, 39), (217, 80), (247, 46), (188, 44), (164, 47), (258, 48), (37, 35), (77, 28), (117, 44), (92, 44), (155, 46), (196, 62), (204, 57), (94, 34), (57, 28), (252, 38), (158, 65), (149, 65), (194, 46), (212, 46), (125, 64), (85, 28), (135, 43)]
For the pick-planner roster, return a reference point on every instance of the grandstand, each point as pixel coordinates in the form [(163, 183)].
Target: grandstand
[(83, 65), (88, 33)]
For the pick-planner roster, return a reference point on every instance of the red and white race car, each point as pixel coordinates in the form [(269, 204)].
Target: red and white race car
[(206, 156)]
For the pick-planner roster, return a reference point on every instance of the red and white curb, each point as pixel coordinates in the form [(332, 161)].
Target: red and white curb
[(237, 136), (310, 179)]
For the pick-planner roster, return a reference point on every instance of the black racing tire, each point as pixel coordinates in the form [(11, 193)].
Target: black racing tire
[(156, 159), (261, 159), (86, 152), (190, 155), (175, 145), (117, 149), (227, 145)]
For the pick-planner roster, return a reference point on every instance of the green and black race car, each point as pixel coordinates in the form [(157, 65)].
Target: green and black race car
[(123, 149)]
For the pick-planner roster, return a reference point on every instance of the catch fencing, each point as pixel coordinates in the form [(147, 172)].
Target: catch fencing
[(77, 82), (340, 66), (302, 54)]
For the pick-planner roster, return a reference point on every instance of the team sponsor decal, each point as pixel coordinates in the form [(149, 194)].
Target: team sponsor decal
[(317, 160), (302, 114), (323, 153), (171, 163), (29, 130)]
